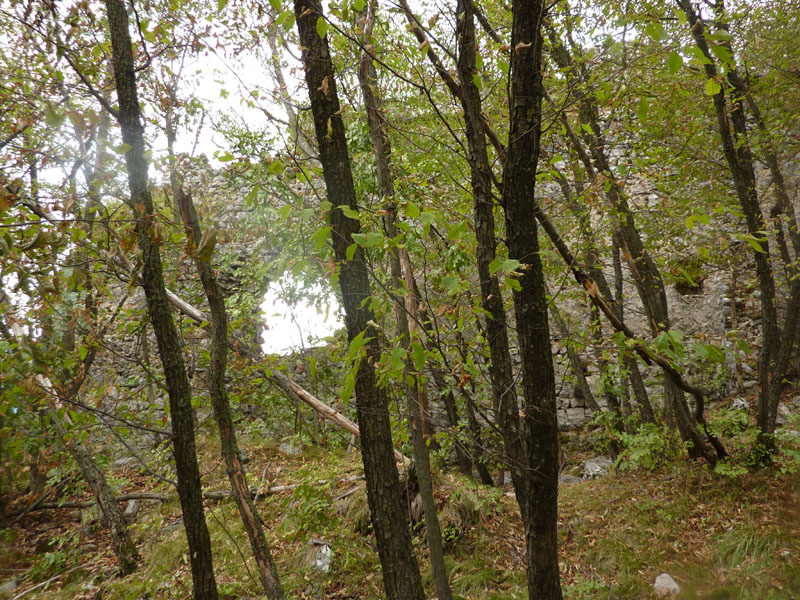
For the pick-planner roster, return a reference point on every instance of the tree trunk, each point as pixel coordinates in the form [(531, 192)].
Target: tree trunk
[(407, 316), (776, 345), (177, 382), (539, 491), (400, 571), (500, 367), (121, 541), (253, 525)]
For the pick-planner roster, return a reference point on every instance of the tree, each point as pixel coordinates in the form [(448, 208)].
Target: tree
[(400, 572), (731, 99), (141, 204)]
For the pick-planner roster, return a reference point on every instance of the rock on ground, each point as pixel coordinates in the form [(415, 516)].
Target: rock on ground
[(596, 467), (665, 586)]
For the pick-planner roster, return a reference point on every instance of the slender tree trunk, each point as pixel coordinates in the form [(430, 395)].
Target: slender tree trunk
[(121, 541), (407, 316), (253, 525), (574, 360), (177, 382), (500, 367), (400, 572), (540, 424), (776, 345), (646, 414)]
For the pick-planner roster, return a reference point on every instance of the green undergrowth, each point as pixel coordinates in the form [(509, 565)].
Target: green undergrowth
[(720, 538)]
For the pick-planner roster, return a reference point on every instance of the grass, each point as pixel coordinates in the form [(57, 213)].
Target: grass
[(721, 539)]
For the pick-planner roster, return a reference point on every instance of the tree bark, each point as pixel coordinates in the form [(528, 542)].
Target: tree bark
[(400, 571), (252, 522), (500, 367), (539, 489), (169, 348), (776, 345), (407, 316), (121, 541)]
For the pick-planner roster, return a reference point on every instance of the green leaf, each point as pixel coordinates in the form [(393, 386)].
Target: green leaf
[(418, 355), (712, 88), (450, 282), (642, 108), (368, 240), (508, 265), (312, 366), (457, 231), (476, 79), (320, 236), (349, 386), (691, 220), (123, 148), (359, 5), (427, 219), (53, 117), (348, 212), (656, 31), (356, 344), (723, 54), (221, 4), (351, 251), (674, 62), (411, 209), (322, 27), (276, 5), (397, 359), (276, 167), (513, 284)]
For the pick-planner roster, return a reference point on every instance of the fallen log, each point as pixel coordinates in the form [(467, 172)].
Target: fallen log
[(282, 381)]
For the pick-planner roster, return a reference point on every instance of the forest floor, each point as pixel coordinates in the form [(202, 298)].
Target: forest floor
[(721, 538)]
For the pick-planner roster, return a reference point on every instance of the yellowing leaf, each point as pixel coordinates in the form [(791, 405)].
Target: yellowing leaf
[(712, 88)]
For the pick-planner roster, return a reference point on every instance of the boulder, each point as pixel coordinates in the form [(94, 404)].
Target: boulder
[(665, 586), (596, 467), (8, 588), (567, 479), (740, 404), (172, 528), (131, 510), (121, 463), (319, 554)]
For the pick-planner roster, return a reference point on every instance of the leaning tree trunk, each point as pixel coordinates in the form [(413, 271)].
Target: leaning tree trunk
[(645, 273), (540, 425), (776, 345), (169, 348), (253, 525), (401, 576), (112, 516)]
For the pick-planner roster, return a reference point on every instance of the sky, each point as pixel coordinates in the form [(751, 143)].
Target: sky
[(292, 328), (287, 328)]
